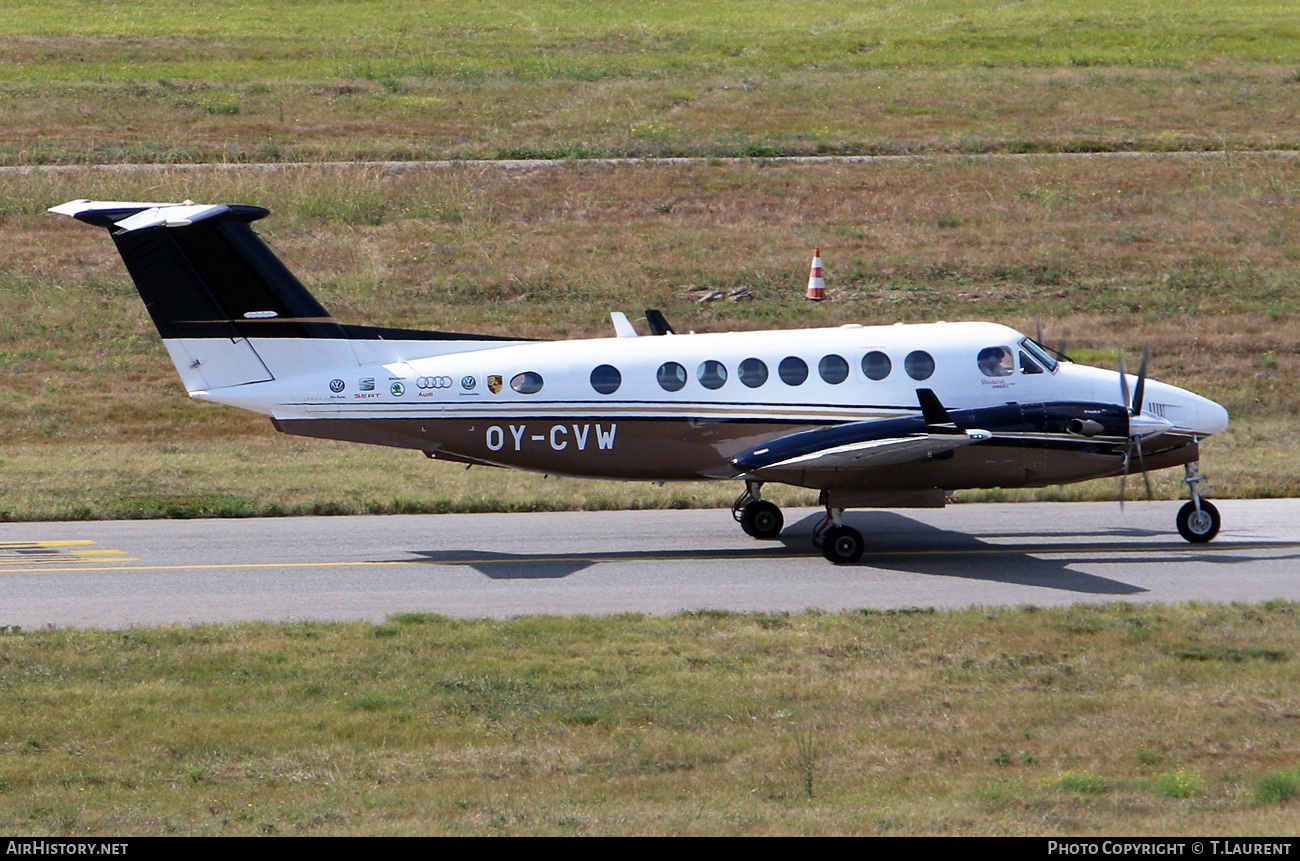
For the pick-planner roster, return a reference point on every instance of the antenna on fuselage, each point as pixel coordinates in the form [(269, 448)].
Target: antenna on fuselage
[(654, 318)]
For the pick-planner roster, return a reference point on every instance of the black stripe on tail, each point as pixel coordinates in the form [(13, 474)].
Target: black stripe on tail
[(216, 278)]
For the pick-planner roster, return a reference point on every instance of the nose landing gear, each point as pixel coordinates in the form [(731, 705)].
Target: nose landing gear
[(1198, 521)]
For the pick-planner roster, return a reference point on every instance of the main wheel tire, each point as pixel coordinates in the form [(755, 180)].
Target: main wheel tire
[(842, 545), (1201, 526), (761, 519)]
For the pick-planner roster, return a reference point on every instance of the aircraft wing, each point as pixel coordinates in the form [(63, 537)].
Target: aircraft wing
[(877, 452), (863, 453), (859, 445)]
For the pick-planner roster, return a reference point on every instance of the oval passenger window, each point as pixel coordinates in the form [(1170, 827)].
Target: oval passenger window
[(919, 365), (527, 383), (671, 376), (876, 365), (712, 374), (753, 373), (793, 371), (606, 379), (833, 369)]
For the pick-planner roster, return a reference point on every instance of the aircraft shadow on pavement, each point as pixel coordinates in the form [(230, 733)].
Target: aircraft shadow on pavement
[(895, 542), (551, 566)]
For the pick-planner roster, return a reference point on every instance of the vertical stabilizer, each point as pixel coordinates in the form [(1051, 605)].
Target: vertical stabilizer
[(229, 310), (211, 286)]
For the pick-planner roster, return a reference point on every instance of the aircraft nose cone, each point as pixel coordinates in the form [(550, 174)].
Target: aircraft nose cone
[(1211, 417)]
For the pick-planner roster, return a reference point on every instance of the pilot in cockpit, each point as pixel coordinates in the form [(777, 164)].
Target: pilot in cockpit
[(996, 362)]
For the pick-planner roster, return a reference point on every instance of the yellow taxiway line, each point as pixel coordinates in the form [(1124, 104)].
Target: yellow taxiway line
[(1020, 550)]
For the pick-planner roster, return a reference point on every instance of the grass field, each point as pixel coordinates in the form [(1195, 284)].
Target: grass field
[(1081, 722), (86, 81)]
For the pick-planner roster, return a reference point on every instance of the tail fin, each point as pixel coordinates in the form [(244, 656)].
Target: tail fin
[(209, 275), (222, 301), (209, 283)]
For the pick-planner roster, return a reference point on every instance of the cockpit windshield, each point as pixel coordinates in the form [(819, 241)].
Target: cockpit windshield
[(1039, 353)]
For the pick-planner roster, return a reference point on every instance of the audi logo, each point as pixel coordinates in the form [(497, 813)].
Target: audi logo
[(433, 382)]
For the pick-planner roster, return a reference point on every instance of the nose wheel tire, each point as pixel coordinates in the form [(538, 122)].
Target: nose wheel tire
[(761, 519), (1198, 527), (842, 545)]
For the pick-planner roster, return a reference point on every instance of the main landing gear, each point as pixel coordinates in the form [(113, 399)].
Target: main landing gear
[(758, 517), (1198, 521), (840, 544)]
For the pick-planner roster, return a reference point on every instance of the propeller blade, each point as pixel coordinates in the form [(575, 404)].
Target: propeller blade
[(1123, 479), (1123, 384), (1146, 476), (1136, 408)]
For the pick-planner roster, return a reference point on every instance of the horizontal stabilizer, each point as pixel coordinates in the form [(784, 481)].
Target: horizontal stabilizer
[(142, 214), (171, 216)]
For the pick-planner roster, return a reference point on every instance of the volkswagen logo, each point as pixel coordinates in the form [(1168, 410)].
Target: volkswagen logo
[(433, 382), (467, 382), (336, 386)]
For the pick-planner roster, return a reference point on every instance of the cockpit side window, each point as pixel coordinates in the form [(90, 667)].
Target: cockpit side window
[(1040, 355), (1028, 365), (996, 362)]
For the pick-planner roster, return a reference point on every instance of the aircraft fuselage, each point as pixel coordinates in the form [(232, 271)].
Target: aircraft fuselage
[(680, 407)]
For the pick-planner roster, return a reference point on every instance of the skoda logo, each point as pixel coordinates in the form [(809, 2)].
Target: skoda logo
[(336, 386), (467, 382), (397, 389), (433, 382)]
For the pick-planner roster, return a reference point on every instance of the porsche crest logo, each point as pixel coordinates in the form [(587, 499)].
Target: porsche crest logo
[(494, 383)]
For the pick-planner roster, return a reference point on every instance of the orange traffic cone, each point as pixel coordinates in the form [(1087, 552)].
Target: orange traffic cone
[(816, 284)]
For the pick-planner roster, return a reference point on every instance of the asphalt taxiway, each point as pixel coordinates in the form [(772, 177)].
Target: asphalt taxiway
[(115, 574)]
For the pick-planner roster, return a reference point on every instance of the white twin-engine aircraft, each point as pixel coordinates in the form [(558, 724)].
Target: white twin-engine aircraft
[(872, 416)]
